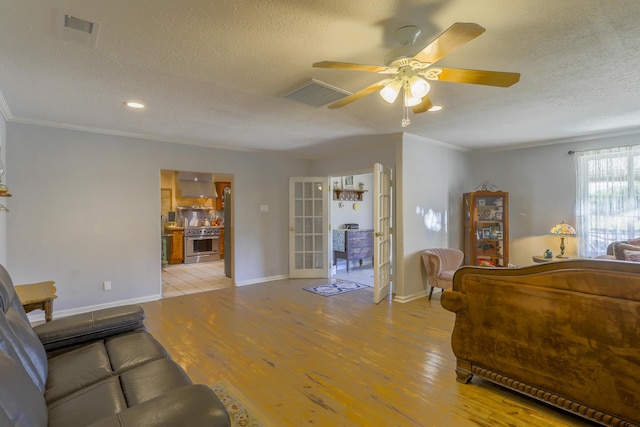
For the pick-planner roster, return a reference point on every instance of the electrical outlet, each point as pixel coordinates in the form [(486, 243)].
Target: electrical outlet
[(106, 285)]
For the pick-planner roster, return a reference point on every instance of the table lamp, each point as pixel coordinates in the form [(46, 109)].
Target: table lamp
[(562, 230)]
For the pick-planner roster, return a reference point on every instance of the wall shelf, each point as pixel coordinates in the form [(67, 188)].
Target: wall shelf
[(348, 194)]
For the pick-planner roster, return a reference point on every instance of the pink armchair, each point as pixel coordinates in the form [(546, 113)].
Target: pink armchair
[(440, 264)]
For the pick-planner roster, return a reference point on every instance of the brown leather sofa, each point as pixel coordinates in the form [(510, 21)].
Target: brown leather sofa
[(100, 369), (564, 332)]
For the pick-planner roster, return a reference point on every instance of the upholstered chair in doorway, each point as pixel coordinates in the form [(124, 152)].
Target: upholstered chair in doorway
[(440, 264)]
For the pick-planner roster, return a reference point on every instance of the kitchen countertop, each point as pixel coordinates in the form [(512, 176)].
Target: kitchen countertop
[(179, 228), (173, 228)]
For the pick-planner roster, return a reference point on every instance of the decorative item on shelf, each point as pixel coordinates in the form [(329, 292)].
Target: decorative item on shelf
[(563, 230), (486, 186), (361, 186), (347, 182), (548, 254), (348, 195)]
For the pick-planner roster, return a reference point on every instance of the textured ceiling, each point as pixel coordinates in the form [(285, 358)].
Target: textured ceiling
[(213, 73)]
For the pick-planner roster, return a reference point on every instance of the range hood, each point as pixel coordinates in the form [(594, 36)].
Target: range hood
[(195, 184)]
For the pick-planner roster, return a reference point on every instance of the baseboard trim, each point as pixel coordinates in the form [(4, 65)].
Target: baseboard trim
[(39, 317), (408, 298), (262, 280)]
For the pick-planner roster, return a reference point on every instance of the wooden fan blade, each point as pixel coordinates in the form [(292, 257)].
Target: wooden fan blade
[(479, 77), (453, 37), (423, 106), (360, 94), (354, 67)]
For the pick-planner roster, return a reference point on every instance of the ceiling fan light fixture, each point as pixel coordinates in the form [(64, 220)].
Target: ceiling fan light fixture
[(391, 91), (419, 86), (409, 99)]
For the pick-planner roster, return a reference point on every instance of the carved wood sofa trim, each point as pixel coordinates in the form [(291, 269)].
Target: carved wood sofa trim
[(465, 372)]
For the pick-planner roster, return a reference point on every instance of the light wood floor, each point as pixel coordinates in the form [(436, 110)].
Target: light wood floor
[(305, 359)]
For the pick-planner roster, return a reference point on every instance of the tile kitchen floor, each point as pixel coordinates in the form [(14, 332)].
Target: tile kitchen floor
[(182, 279)]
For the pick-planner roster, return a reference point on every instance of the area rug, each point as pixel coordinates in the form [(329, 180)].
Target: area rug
[(241, 411), (335, 288)]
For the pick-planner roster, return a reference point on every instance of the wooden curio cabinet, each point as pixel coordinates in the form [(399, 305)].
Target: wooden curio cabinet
[(486, 228)]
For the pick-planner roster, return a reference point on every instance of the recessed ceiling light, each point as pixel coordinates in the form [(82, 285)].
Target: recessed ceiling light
[(133, 104), (435, 108)]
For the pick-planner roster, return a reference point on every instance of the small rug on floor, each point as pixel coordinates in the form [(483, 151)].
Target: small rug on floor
[(335, 288), (241, 411)]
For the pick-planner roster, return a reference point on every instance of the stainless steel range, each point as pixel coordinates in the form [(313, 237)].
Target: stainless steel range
[(201, 244)]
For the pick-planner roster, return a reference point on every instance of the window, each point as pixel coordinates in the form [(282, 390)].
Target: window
[(607, 197)]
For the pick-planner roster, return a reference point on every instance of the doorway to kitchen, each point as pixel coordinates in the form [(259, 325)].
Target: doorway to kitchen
[(196, 232), (184, 279)]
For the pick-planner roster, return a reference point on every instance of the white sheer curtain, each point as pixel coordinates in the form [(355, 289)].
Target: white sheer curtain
[(607, 197)]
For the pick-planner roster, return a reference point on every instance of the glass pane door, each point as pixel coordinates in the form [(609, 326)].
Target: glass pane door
[(308, 227)]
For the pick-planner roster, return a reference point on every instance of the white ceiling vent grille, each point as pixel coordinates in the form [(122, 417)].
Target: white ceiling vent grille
[(316, 93), (70, 28), (78, 24)]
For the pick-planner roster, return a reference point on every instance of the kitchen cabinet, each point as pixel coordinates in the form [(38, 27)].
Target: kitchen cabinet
[(486, 228), (176, 245), (221, 189)]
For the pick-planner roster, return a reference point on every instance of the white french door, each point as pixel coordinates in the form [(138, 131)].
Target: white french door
[(381, 232), (309, 227)]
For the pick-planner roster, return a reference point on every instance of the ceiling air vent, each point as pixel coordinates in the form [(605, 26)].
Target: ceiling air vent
[(78, 24), (70, 28), (316, 93)]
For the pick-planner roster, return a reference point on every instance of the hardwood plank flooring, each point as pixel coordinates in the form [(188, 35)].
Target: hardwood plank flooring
[(305, 359)]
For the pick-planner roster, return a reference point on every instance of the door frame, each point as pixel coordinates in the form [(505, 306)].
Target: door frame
[(365, 171), (298, 221)]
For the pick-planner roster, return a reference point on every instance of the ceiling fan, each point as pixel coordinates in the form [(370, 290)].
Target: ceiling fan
[(409, 75)]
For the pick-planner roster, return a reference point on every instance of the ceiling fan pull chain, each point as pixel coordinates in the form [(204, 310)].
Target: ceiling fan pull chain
[(405, 117)]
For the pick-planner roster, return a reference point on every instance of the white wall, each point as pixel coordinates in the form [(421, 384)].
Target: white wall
[(5, 200), (430, 184), (347, 214), (427, 176), (86, 208), (541, 182)]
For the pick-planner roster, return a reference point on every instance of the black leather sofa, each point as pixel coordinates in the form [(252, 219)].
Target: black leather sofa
[(100, 369)]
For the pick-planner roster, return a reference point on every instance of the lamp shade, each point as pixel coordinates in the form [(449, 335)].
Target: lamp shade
[(409, 99), (419, 87), (563, 229), (390, 92)]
